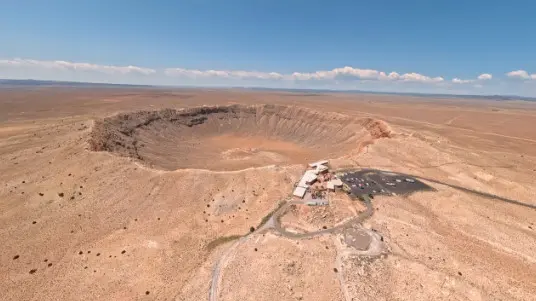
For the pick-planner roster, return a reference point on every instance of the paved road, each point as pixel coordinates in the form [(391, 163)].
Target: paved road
[(365, 172), (464, 189), (480, 193)]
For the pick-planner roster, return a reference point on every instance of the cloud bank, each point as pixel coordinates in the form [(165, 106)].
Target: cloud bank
[(192, 73), (343, 78), (334, 74), (344, 73), (521, 74), (64, 65), (482, 77)]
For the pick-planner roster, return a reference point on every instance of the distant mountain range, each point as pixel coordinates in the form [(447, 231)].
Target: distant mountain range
[(21, 83)]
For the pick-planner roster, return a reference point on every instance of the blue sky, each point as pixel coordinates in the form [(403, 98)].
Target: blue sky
[(480, 47)]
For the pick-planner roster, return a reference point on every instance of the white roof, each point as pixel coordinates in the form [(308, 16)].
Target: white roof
[(310, 172), (321, 168), (336, 182), (315, 164), (308, 177), (330, 185), (299, 191)]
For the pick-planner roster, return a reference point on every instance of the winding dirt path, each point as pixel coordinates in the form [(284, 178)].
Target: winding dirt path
[(216, 272)]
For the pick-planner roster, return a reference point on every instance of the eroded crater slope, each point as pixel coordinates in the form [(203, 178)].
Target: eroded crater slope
[(233, 137)]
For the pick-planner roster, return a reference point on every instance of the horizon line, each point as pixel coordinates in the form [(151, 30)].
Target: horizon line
[(4, 83)]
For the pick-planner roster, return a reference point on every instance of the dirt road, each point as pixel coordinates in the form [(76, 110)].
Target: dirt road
[(216, 272)]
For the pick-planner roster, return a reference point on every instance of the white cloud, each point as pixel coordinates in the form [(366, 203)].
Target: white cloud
[(366, 74), (521, 74), (334, 74), (416, 77), (236, 74), (64, 65), (481, 77), (485, 76), (462, 81)]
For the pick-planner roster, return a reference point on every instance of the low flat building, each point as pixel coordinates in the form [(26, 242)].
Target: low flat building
[(311, 179), (308, 178), (316, 164), (321, 168), (337, 182), (299, 192)]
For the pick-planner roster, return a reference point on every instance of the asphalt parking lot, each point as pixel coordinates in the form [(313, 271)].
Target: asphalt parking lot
[(377, 182)]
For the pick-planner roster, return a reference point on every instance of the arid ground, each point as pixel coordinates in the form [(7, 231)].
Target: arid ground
[(153, 194)]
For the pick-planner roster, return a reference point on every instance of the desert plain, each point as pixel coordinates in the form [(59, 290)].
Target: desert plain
[(164, 194)]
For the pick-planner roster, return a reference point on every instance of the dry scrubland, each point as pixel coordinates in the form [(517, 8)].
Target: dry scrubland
[(117, 194)]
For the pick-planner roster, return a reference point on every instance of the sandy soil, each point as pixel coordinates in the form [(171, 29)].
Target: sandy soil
[(83, 225), (305, 272)]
